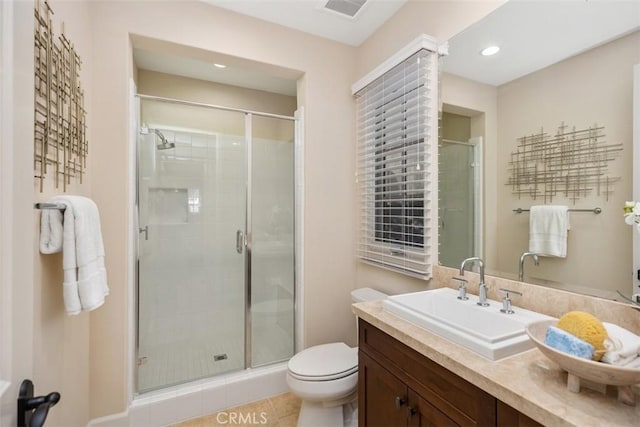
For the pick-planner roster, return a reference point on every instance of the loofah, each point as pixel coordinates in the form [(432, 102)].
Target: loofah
[(586, 327)]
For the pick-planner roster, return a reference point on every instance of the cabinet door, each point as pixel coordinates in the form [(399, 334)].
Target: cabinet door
[(509, 417), (382, 397), (424, 414)]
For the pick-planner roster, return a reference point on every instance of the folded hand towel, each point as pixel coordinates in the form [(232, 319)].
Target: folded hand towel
[(548, 227), (633, 364), (85, 278), (623, 346), (50, 231), (567, 343)]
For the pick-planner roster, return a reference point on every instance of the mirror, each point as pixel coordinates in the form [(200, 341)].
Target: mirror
[(565, 65)]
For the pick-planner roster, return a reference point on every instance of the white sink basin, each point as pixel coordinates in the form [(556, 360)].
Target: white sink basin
[(485, 330)]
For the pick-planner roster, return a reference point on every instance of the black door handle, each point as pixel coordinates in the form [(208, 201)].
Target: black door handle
[(33, 411)]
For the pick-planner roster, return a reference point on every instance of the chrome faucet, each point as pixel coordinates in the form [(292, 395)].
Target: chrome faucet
[(536, 261), (482, 288)]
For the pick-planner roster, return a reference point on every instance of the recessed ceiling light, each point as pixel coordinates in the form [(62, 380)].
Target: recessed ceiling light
[(219, 65), (491, 50)]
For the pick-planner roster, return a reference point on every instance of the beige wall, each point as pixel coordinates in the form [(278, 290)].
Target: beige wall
[(491, 107), (61, 342), (479, 102), (87, 358), (549, 94), (196, 117), (328, 130), (442, 20), (49, 347), (176, 87), (456, 127), (594, 87), (17, 210)]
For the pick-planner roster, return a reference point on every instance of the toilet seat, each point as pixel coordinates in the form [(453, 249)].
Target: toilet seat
[(324, 362)]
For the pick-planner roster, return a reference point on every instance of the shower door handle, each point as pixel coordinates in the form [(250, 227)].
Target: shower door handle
[(239, 241), (144, 230)]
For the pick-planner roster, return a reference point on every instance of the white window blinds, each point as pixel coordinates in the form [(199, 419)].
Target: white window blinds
[(396, 135)]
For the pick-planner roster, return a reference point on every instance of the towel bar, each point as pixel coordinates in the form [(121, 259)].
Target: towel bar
[(594, 210), (58, 206)]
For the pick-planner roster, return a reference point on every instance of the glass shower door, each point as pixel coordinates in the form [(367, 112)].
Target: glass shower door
[(456, 205), (272, 240), (191, 267)]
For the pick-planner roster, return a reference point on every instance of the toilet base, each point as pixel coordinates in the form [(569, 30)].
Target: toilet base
[(315, 414)]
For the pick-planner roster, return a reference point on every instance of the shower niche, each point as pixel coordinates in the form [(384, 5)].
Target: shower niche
[(168, 206)]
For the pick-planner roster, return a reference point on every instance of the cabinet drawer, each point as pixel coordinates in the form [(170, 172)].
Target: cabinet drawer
[(460, 400)]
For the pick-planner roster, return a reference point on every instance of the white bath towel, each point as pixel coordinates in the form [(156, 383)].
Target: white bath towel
[(622, 345), (548, 226), (85, 276), (50, 231)]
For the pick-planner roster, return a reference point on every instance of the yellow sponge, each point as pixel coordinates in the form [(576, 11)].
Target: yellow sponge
[(586, 327)]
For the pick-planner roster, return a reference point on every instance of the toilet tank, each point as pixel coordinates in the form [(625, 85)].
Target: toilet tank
[(366, 294)]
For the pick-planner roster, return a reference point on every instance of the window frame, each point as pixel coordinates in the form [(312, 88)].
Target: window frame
[(395, 245)]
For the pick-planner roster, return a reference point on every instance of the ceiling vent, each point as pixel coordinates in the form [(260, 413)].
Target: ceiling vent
[(345, 7)]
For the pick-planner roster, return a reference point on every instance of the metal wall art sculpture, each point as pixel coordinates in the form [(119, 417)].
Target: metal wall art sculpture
[(60, 131), (571, 163)]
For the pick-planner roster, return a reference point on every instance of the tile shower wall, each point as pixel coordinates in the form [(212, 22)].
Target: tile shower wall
[(191, 302), (192, 199), (191, 279)]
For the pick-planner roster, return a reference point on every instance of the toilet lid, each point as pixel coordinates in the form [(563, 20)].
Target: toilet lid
[(326, 361)]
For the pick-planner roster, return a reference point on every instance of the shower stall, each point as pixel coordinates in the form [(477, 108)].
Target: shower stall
[(459, 200), (215, 268)]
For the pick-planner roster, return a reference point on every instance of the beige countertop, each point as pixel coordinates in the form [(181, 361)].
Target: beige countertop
[(529, 382)]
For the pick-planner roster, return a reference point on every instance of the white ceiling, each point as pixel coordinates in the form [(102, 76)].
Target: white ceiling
[(535, 34), (311, 17), (532, 34)]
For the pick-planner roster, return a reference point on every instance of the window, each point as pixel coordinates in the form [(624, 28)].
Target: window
[(396, 136)]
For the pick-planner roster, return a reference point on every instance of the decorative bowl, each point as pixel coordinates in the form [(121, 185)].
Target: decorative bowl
[(597, 372)]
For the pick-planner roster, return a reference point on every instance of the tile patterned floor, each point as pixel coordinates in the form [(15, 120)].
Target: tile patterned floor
[(277, 411)]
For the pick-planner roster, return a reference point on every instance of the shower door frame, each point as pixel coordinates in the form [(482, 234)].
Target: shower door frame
[(247, 240), (476, 143)]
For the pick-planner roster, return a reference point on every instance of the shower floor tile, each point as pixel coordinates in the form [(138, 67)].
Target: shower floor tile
[(171, 364), (182, 361), (277, 411)]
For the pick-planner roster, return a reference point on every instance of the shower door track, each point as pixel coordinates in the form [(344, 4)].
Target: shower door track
[(248, 225), (217, 107)]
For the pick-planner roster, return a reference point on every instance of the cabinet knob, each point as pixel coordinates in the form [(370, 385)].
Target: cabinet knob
[(411, 411), (400, 401)]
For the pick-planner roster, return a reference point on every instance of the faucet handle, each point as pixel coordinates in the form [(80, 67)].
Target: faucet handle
[(506, 301), (462, 288), (509, 291)]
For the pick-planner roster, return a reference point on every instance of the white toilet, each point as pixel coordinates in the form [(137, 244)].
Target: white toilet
[(325, 377)]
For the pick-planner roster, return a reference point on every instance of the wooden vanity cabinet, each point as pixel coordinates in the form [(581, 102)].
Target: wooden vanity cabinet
[(398, 386)]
